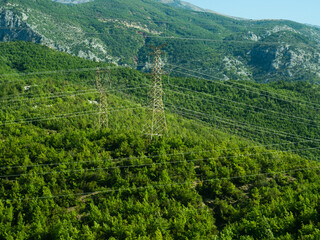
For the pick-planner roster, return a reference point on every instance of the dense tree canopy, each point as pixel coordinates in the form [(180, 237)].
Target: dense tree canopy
[(64, 178)]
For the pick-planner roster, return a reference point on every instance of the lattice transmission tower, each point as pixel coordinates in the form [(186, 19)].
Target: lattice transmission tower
[(103, 119), (156, 124)]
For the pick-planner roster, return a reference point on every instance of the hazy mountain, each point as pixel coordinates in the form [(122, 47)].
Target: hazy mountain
[(182, 4), (174, 3), (72, 1), (119, 31), (189, 6)]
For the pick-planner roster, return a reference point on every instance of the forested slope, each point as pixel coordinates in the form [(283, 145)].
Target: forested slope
[(120, 31), (64, 178)]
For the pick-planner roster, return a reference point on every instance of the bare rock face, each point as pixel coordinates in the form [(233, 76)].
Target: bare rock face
[(14, 28), (289, 60), (21, 27)]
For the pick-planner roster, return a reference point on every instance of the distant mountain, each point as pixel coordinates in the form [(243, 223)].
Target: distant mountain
[(174, 3), (72, 1), (119, 31), (182, 4), (189, 6)]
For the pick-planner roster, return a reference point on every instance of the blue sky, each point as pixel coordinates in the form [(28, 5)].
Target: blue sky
[(304, 11)]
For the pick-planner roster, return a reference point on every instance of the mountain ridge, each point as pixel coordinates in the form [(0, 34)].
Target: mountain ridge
[(189, 6), (72, 1), (227, 47)]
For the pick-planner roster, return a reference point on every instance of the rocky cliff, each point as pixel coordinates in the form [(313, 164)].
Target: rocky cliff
[(14, 27), (29, 24)]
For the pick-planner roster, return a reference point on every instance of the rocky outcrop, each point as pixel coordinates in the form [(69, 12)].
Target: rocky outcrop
[(236, 67), (289, 60), (14, 28), (25, 27)]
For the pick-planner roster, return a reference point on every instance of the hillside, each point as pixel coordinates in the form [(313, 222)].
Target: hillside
[(64, 178), (119, 31), (72, 1), (268, 113), (182, 4)]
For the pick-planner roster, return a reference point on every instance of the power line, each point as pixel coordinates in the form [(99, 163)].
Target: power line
[(187, 114), (77, 114), (294, 99), (221, 83), (223, 99), (162, 185), (255, 107), (240, 84), (62, 96), (72, 94), (50, 97), (73, 70), (119, 160), (197, 120), (26, 95), (153, 164), (207, 100), (241, 124), (250, 125), (38, 120), (90, 113)]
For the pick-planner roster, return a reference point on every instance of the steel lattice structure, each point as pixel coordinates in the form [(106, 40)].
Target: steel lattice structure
[(156, 124)]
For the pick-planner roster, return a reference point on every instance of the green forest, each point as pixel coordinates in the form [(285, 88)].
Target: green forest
[(239, 160)]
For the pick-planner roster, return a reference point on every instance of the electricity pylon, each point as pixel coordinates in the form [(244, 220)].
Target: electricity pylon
[(156, 124), (103, 104)]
